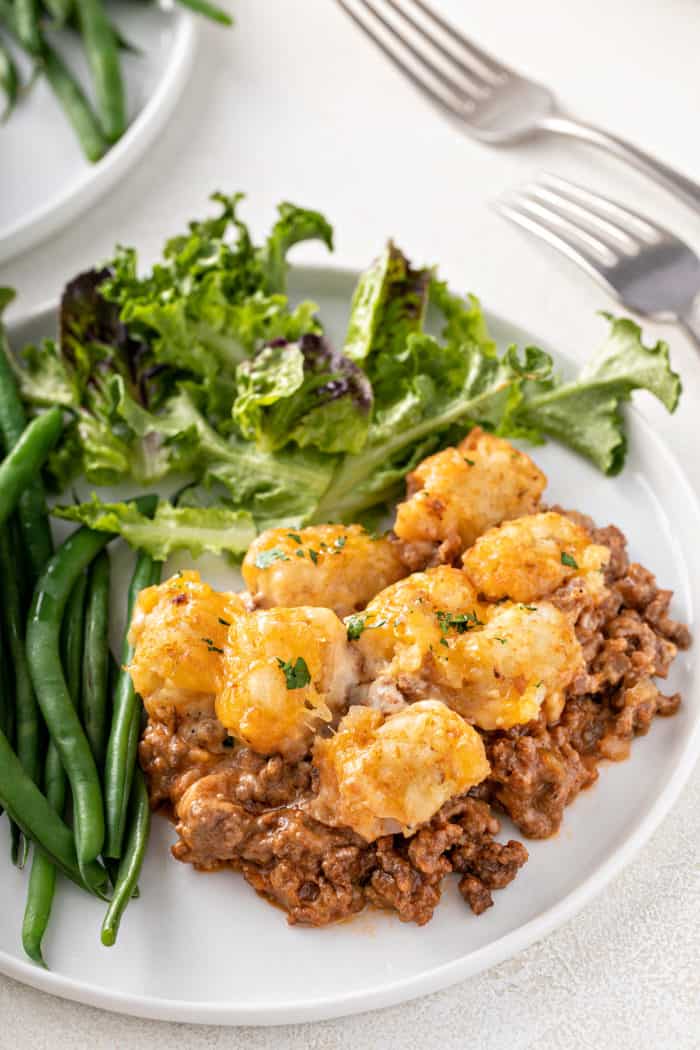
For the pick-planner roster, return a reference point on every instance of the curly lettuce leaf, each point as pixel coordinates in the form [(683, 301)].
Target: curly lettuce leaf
[(293, 226), (283, 486), (304, 393), (388, 305), (586, 412), (445, 386), (214, 530), (213, 300)]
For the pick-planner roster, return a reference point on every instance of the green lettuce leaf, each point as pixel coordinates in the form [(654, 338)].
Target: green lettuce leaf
[(283, 486), (293, 226), (388, 305), (214, 530), (586, 412), (304, 393), (445, 386), (213, 301)]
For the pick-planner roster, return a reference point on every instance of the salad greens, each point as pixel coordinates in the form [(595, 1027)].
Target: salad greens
[(202, 370)]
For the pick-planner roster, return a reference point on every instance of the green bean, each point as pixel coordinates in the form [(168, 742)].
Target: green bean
[(9, 81), (202, 7), (132, 859), (23, 462), (68, 93), (72, 631), (102, 50), (26, 711), (43, 635), (75, 105), (96, 659), (124, 732), (59, 10), (28, 807), (27, 22), (42, 877), (32, 514)]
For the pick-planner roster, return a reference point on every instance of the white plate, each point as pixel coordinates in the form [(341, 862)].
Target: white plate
[(45, 181), (205, 948)]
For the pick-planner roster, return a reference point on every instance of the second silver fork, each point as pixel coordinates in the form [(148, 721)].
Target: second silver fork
[(645, 267)]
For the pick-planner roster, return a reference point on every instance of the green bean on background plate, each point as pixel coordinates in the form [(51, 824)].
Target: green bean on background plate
[(67, 91), (102, 51), (43, 652), (27, 22), (125, 729), (23, 462), (9, 81)]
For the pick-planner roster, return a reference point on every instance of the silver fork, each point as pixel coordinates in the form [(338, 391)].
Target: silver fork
[(490, 101), (645, 267)]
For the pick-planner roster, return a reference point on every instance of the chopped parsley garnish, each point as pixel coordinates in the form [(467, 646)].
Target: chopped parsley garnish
[(529, 608), (224, 623), (266, 558), (294, 536), (211, 648), (469, 461), (357, 623), (538, 684), (296, 674), (567, 559), (443, 641), (460, 621), (313, 555), (503, 641), (300, 554), (340, 542)]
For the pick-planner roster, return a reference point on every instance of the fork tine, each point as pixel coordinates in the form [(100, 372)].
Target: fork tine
[(460, 91), (447, 107), (481, 85), (584, 218), (492, 68), (554, 236), (645, 229)]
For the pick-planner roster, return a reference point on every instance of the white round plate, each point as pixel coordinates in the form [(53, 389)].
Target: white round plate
[(45, 181), (204, 948)]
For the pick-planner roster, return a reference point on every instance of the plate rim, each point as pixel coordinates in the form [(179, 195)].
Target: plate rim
[(403, 989), (97, 179)]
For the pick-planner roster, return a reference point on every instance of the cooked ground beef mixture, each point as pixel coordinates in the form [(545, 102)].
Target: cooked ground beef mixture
[(236, 808)]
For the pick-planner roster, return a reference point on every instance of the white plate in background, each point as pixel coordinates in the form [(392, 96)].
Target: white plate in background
[(45, 181), (204, 948)]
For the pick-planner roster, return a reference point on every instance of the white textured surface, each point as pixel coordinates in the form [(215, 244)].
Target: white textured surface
[(293, 104)]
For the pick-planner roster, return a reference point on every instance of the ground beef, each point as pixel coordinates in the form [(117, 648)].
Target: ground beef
[(252, 816), (628, 639), (235, 808)]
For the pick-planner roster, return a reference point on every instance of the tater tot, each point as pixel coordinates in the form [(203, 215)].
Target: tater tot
[(530, 557), (455, 495), (286, 672), (380, 775), (339, 567), (178, 631)]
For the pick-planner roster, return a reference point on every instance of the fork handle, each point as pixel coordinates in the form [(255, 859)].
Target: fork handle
[(644, 162)]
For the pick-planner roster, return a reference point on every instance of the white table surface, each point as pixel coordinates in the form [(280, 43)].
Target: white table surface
[(294, 104)]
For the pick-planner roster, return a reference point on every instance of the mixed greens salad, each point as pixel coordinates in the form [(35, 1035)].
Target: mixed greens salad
[(201, 372)]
